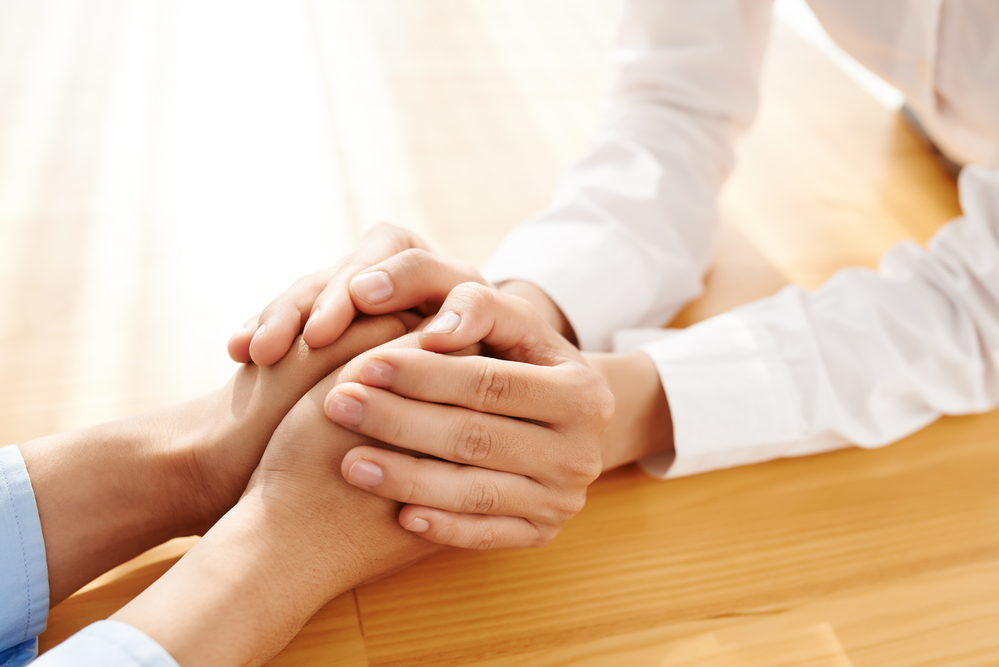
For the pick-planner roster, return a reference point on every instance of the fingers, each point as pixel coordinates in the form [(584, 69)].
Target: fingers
[(462, 506), (318, 306), (282, 320), (239, 344), (363, 333), (414, 277), (475, 531), (260, 397), (333, 309), (450, 487), (508, 325), (484, 384), (443, 431), (271, 391)]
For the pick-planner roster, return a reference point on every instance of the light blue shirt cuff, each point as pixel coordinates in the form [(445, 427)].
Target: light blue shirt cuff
[(24, 592), (24, 577), (107, 644)]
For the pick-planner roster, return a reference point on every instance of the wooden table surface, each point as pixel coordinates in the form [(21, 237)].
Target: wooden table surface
[(168, 167)]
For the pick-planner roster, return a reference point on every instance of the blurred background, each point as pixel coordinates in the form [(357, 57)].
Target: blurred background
[(168, 167)]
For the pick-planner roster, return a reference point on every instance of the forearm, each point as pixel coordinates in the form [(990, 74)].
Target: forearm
[(243, 592), (642, 425), (232, 599), (632, 225), (106, 494), (298, 537)]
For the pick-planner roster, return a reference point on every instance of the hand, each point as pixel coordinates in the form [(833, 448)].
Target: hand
[(227, 431), (321, 306), (108, 493), (518, 431), (298, 536)]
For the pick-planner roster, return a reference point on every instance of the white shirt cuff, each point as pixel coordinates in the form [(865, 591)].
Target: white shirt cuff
[(602, 277), (731, 397)]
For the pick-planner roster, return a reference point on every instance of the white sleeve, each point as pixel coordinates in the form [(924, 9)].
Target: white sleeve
[(867, 358), (631, 226)]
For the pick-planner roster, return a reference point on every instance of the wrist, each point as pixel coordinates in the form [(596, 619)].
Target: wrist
[(313, 524), (211, 455), (244, 590), (106, 494), (642, 425), (197, 490), (236, 597)]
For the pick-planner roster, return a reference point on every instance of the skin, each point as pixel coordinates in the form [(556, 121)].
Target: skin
[(317, 306), (299, 536), (108, 493), (511, 459), (528, 423), (472, 501)]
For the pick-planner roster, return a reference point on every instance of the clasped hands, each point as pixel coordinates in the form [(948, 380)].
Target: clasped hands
[(492, 419), (396, 403)]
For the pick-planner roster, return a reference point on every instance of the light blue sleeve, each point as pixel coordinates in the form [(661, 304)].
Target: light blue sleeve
[(24, 592), (24, 577), (107, 644)]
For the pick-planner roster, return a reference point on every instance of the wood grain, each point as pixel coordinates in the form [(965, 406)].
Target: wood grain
[(168, 167)]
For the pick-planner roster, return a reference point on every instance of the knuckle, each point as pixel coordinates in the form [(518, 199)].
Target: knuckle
[(604, 405), (593, 469), (573, 505), (283, 314), (492, 388), (543, 537), (584, 464), (417, 257), (562, 508), (474, 442), (277, 305), (564, 466), (578, 386), (473, 294), (466, 269), (411, 489), (481, 498), (591, 466), (596, 398), (387, 328), (448, 533), (304, 284), (484, 539), (392, 429), (527, 312)]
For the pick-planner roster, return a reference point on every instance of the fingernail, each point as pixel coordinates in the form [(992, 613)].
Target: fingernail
[(418, 525), (377, 373), (365, 473), (256, 333), (445, 322), (344, 409), (373, 287)]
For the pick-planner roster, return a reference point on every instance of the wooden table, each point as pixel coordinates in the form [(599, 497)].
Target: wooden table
[(160, 164)]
